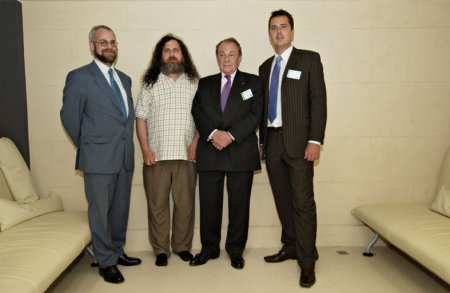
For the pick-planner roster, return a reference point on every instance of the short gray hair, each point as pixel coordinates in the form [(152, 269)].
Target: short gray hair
[(94, 30)]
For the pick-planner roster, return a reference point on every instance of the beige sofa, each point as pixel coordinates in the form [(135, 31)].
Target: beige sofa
[(419, 230), (38, 240)]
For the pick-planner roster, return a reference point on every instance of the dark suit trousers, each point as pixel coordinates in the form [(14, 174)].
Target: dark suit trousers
[(108, 198), (239, 185), (291, 180)]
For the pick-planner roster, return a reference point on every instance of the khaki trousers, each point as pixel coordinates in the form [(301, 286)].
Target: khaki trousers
[(178, 177)]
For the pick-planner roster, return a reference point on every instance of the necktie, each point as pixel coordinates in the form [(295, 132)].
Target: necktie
[(273, 90), (118, 94), (225, 92)]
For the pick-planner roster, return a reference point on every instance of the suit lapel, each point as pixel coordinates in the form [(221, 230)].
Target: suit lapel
[(234, 96), (215, 93), (103, 84), (265, 75), (292, 63), (127, 86)]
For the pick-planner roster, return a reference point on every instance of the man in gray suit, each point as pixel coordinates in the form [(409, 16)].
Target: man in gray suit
[(98, 115), (291, 132)]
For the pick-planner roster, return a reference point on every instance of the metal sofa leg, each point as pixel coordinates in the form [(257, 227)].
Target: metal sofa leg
[(372, 242), (90, 250)]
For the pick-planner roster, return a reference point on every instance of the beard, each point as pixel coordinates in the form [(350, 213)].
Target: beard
[(172, 66), (106, 58)]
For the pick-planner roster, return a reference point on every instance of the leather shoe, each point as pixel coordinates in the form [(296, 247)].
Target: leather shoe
[(307, 278), (201, 258), (237, 262), (111, 274), (280, 256), (161, 260), (125, 260), (185, 255)]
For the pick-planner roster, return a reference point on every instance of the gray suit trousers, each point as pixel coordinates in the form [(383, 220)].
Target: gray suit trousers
[(108, 198)]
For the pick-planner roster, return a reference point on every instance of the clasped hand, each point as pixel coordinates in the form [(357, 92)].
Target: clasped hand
[(221, 139)]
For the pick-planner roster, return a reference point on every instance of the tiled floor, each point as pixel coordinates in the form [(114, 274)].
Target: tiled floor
[(339, 269)]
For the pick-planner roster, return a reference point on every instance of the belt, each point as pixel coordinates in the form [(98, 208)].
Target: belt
[(276, 129)]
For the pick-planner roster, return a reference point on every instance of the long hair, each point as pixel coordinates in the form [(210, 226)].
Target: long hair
[(151, 74)]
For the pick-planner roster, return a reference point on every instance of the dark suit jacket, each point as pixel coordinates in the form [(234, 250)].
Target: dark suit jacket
[(303, 101), (92, 118), (240, 118)]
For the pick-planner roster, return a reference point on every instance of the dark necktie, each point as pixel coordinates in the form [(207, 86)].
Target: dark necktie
[(273, 90), (225, 92), (118, 94)]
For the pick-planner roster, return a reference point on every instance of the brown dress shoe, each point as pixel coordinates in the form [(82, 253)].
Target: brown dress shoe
[(307, 278), (279, 257)]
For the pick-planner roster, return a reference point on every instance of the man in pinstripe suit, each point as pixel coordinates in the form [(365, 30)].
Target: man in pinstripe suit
[(291, 133)]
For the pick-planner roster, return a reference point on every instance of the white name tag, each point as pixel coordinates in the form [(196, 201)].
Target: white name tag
[(294, 74), (247, 94)]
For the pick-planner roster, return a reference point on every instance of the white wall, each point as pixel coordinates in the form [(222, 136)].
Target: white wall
[(387, 70)]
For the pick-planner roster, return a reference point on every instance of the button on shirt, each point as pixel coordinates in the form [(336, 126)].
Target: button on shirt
[(104, 69), (166, 107)]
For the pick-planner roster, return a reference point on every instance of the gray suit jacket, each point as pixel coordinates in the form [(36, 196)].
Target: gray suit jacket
[(303, 101), (92, 118)]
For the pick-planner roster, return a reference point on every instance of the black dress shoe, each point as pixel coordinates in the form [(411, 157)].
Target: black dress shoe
[(111, 274), (237, 262), (307, 278), (161, 260), (185, 255), (125, 260), (201, 258), (279, 257)]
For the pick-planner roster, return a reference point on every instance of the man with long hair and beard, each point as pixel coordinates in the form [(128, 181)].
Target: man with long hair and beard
[(168, 140), (98, 115)]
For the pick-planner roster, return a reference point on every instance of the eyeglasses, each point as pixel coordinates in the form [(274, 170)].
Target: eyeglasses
[(105, 43)]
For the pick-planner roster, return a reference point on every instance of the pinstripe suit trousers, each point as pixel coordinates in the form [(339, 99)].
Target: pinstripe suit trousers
[(291, 180)]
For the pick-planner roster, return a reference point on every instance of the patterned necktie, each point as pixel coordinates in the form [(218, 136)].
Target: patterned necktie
[(118, 94), (273, 90), (225, 92)]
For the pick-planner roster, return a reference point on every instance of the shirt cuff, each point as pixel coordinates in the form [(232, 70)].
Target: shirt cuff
[(210, 136), (314, 142), (232, 137)]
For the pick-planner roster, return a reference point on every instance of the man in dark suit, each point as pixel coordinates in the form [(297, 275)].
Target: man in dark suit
[(227, 109), (98, 115), (291, 133)]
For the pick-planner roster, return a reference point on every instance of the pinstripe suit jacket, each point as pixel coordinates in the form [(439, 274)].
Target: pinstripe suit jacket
[(303, 101)]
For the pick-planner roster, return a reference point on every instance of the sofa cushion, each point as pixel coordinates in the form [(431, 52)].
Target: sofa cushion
[(34, 253), (16, 172), (13, 213), (5, 193), (441, 203)]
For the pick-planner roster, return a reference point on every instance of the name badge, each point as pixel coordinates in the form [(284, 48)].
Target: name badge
[(247, 94), (294, 74)]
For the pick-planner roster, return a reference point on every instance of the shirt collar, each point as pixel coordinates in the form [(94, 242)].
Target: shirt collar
[(231, 75), (286, 54), (103, 67)]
